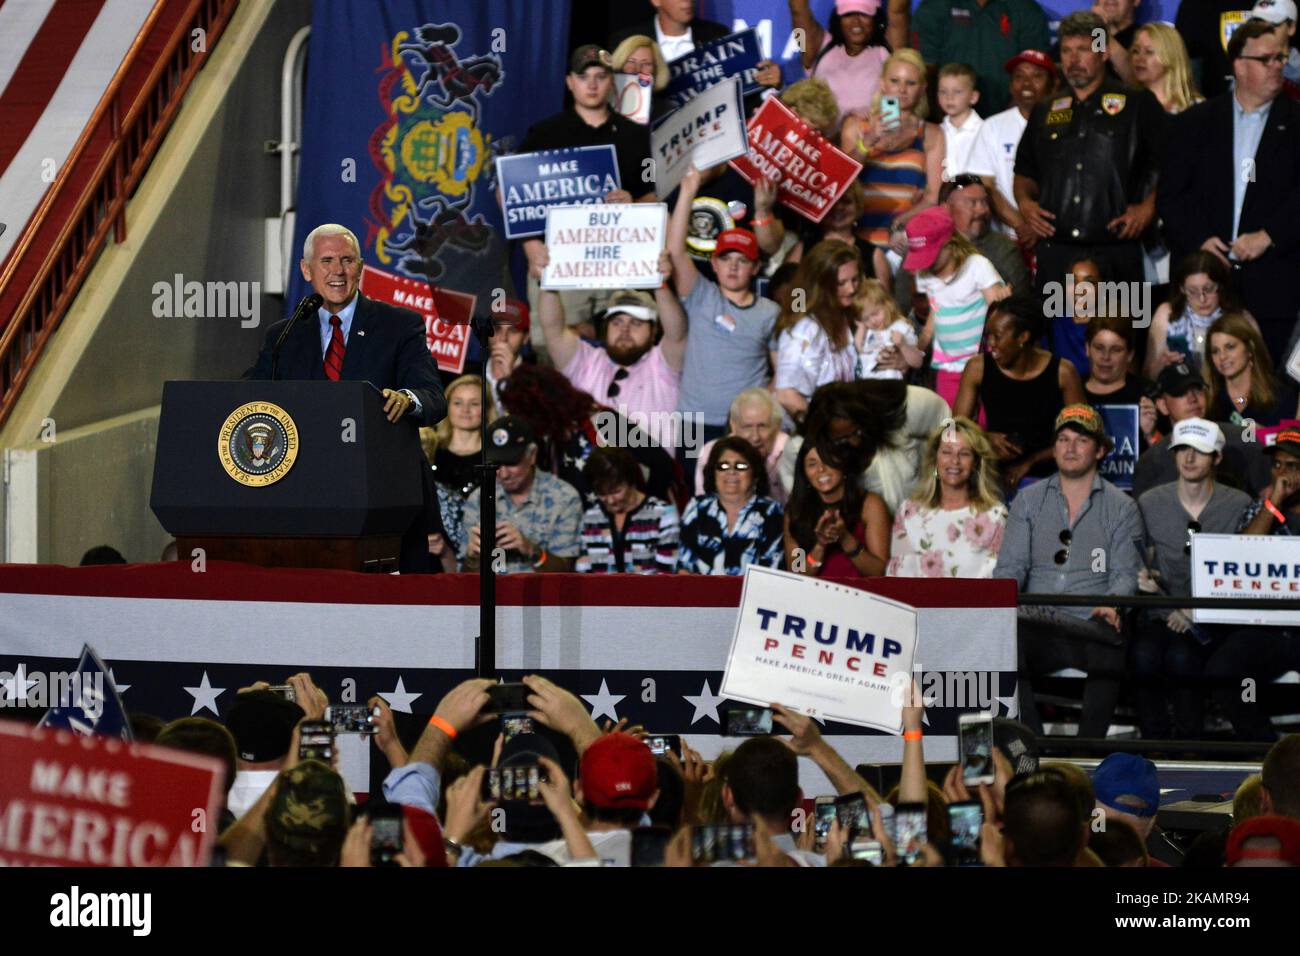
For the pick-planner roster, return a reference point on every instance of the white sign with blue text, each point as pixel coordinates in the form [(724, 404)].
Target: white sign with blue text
[(1246, 566), (826, 650), (707, 131)]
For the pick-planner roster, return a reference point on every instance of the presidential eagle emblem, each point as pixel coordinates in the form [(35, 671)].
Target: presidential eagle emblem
[(257, 444)]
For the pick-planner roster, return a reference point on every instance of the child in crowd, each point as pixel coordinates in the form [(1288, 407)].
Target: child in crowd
[(957, 99), (883, 326), (961, 285)]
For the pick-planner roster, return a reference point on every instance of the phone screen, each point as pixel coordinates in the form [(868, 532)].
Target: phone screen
[(748, 722), (385, 838), (823, 817), (722, 842), (352, 718), (514, 784), (851, 809), (975, 735), (890, 111), (316, 740), (660, 744), (869, 850), (965, 820), (910, 831), (512, 725)]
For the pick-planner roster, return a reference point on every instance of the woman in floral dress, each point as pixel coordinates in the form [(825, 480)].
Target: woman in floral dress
[(952, 525)]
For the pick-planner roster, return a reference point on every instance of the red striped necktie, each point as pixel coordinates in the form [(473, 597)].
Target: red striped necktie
[(334, 357)]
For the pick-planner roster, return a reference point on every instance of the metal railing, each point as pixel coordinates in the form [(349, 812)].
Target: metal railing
[(131, 133)]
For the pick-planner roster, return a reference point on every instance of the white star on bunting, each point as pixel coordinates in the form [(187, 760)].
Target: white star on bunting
[(705, 704), (16, 687), (400, 699), (205, 696), (603, 703), (121, 688)]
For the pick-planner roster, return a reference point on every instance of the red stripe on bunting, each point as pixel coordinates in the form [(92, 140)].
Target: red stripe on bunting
[(41, 70), (229, 581)]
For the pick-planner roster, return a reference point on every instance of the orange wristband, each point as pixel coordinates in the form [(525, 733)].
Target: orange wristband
[(443, 725), (912, 735), (1273, 510)]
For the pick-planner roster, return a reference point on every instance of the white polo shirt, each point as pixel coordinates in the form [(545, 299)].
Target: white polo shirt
[(958, 142), (994, 152)]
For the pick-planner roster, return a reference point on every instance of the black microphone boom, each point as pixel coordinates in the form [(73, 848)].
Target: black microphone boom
[(308, 304)]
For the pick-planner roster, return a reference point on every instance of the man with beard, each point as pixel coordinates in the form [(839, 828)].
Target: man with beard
[(1086, 166), (639, 371), (1073, 533), (993, 157), (967, 199)]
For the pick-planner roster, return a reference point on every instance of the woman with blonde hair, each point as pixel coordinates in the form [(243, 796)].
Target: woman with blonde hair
[(815, 342), (640, 55), (1240, 373), (1159, 60), (454, 447), (952, 526), (902, 158)]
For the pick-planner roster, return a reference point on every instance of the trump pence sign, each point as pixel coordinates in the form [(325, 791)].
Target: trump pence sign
[(826, 650)]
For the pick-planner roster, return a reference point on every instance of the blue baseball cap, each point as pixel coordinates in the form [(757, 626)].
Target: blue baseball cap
[(1127, 783)]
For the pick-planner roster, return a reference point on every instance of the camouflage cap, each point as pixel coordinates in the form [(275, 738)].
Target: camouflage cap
[(309, 813)]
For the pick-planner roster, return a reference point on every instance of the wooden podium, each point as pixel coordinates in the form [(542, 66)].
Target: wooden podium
[(299, 474)]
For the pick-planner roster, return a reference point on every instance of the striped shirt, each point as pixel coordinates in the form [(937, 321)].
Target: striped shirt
[(646, 545), (893, 183), (959, 309)]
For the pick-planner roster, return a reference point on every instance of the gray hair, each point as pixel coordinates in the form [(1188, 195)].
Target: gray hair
[(756, 396), (328, 229)]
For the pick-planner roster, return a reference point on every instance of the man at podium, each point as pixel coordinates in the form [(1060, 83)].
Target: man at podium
[(353, 338)]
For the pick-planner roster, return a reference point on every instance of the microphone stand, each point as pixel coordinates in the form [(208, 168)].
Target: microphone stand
[(485, 645)]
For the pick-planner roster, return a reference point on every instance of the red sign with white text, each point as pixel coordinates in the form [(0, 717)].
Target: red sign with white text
[(446, 313), (97, 801), (812, 173)]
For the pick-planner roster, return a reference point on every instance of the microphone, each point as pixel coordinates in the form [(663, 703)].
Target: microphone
[(309, 303)]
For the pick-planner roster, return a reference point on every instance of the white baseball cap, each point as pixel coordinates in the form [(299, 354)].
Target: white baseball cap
[(1205, 436), (1274, 11)]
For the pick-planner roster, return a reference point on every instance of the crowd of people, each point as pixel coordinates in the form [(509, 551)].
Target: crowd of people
[(557, 790), (914, 386)]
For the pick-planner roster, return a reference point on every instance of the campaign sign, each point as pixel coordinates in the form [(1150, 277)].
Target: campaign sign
[(1121, 424), (1266, 435), (446, 314), (96, 801), (1245, 565), (810, 171), (829, 651), (533, 183), (91, 704), (709, 63), (707, 131), (605, 247), (632, 95)]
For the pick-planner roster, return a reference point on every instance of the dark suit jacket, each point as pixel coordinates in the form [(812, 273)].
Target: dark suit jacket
[(1194, 198), (386, 347), (702, 31)]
